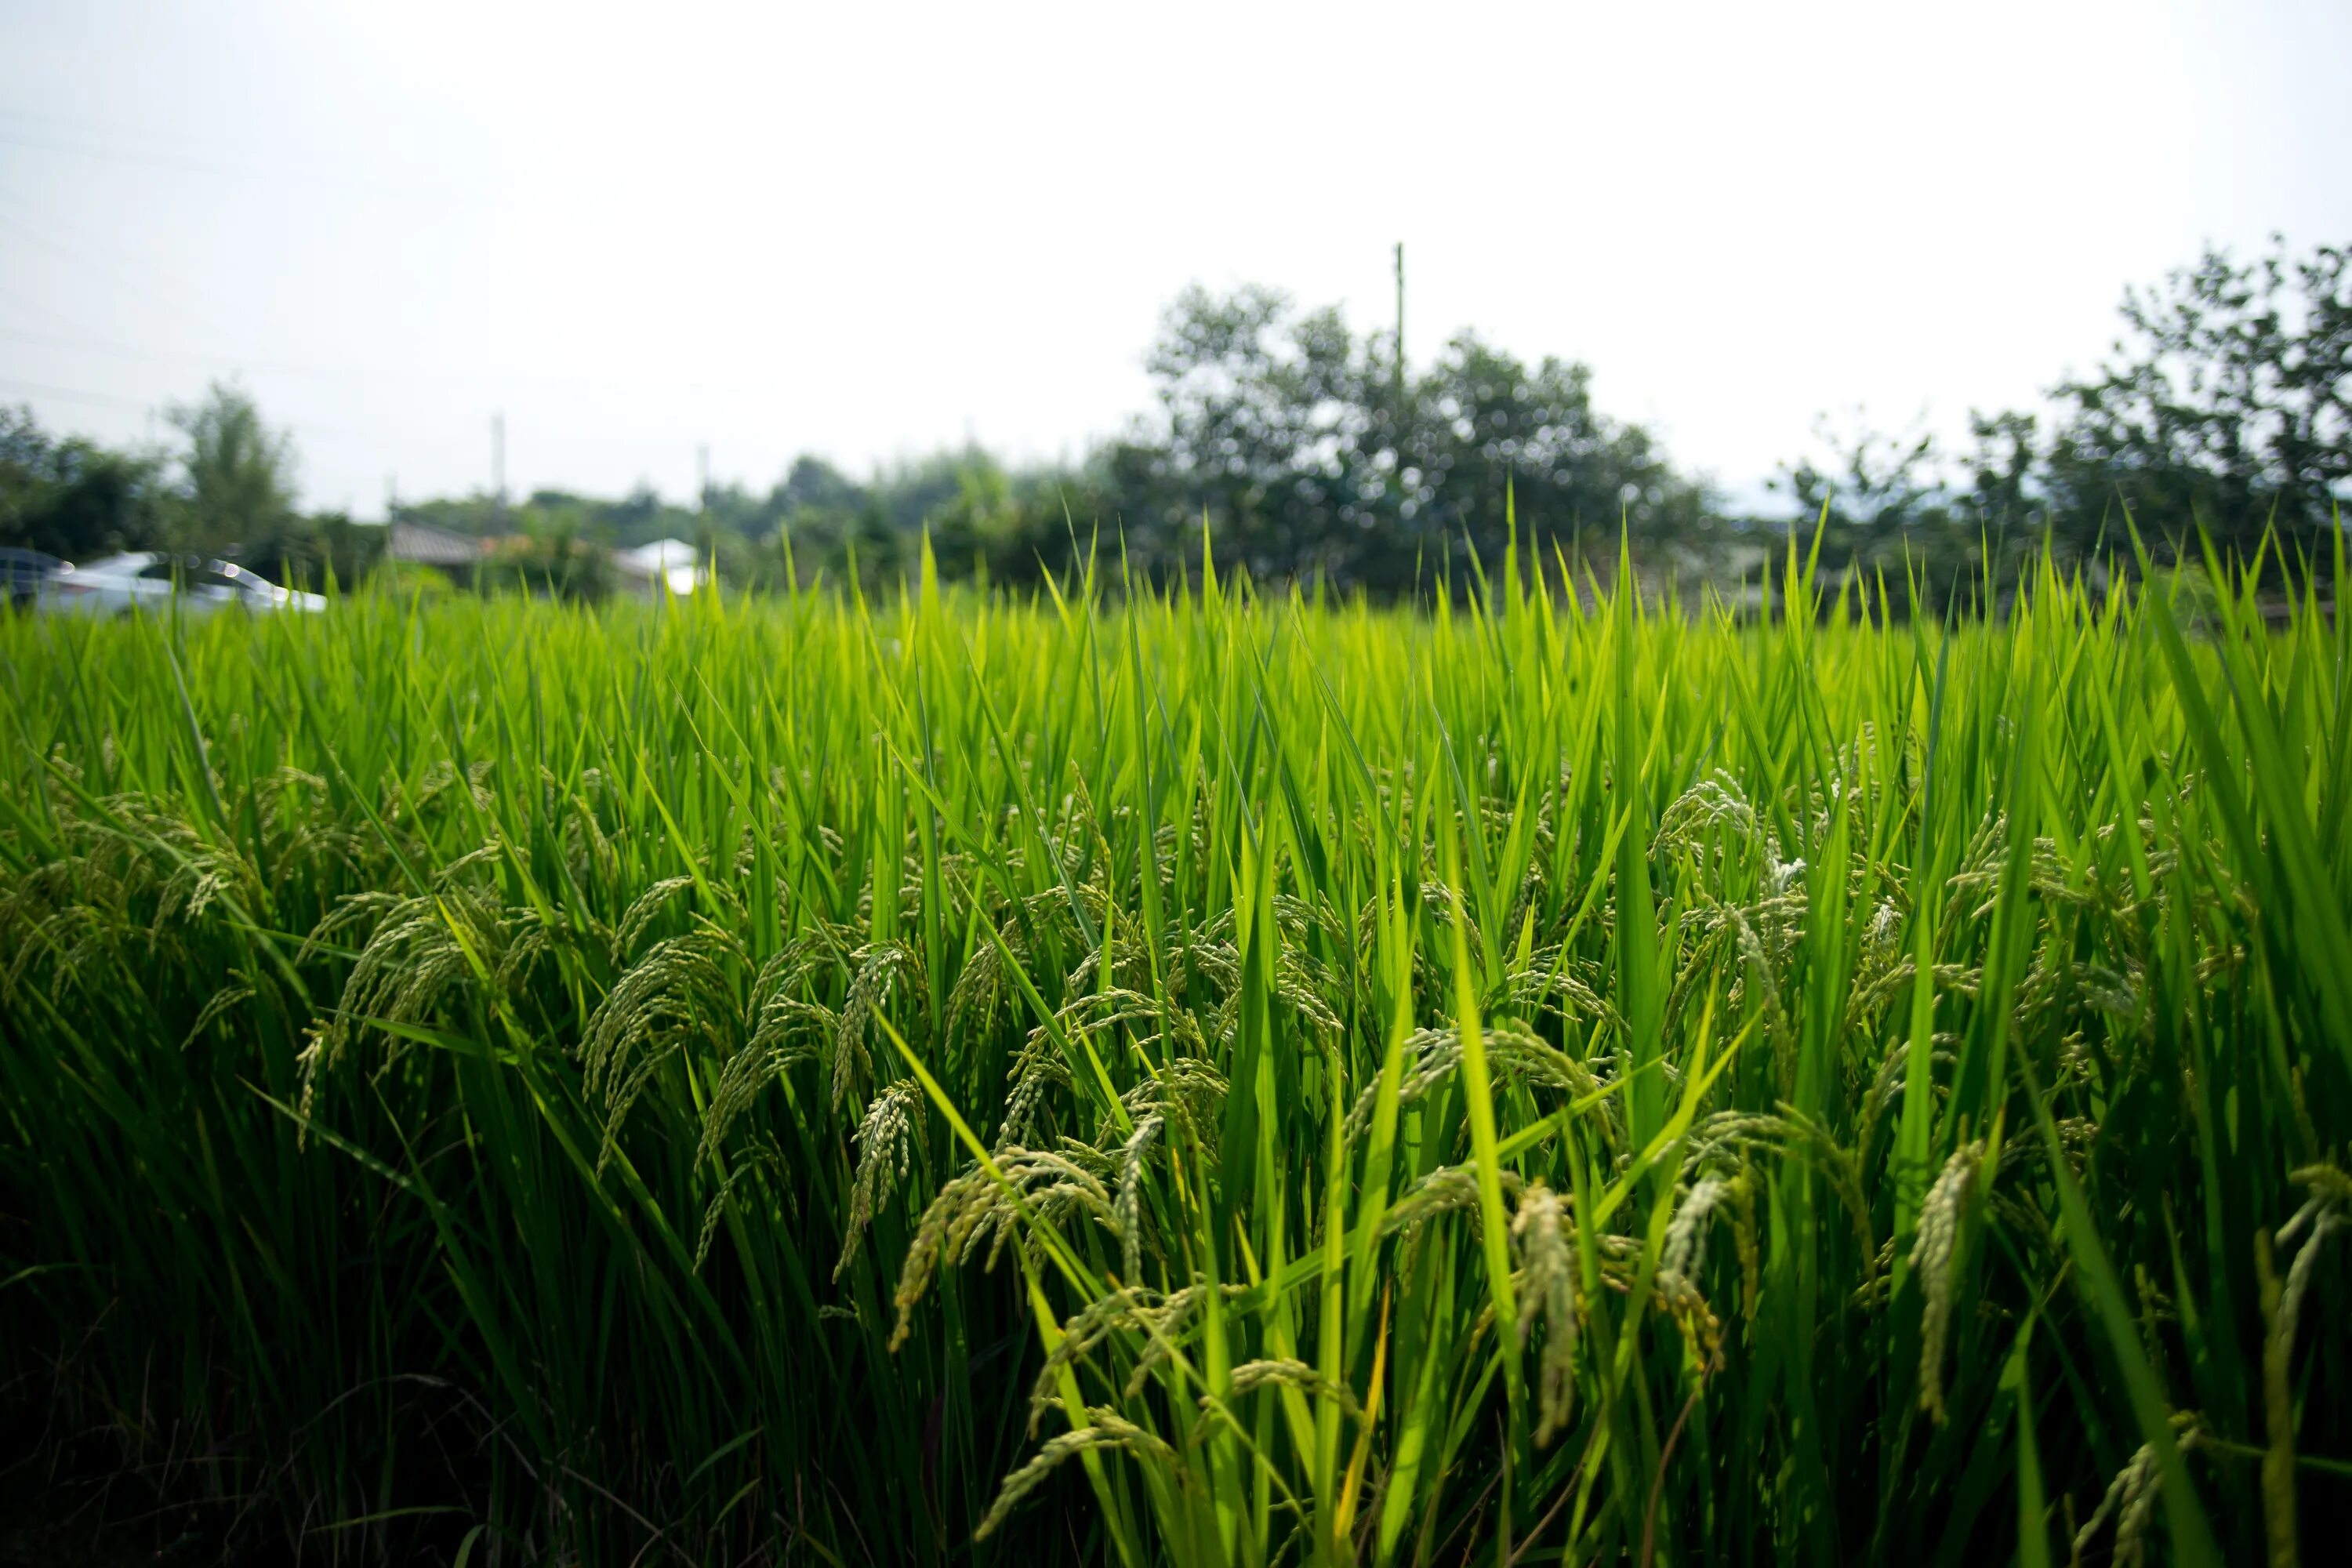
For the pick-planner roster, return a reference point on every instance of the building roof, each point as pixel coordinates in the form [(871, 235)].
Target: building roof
[(431, 546)]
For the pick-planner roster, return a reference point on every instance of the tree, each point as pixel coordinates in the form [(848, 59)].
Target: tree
[(1486, 425), (983, 529), (1880, 505), (74, 498), (2225, 403), (2222, 407), (2001, 491), (1265, 416), (814, 484), (239, 479), (1288, 435), (552, 556)]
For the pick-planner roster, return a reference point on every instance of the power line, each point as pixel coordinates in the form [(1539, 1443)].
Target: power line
[(216, 361), (545, 438), (70, 395), (1400, 348), (179, 164), (116, 400), (77, 256), (193, 304), (79, 139), (173, 356)]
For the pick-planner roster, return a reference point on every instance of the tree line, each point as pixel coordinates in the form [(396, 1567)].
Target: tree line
[(1310, 452)]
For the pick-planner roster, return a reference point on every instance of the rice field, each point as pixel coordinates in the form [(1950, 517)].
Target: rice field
[(1189, 1078)]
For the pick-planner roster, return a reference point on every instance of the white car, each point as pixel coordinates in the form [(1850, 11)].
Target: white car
[(144, 580)]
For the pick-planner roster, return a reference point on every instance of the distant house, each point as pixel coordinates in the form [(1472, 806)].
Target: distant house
[(648, 568), (425, 545)]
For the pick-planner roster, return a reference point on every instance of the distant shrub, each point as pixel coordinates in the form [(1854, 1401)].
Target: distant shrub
[(407, 579), (557, 565)]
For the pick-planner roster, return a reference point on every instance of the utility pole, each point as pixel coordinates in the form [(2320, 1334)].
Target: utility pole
[(1399, 347), (499, 465), (702, 479)]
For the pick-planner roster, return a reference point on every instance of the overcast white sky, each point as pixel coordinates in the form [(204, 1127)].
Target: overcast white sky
[(869, 231)]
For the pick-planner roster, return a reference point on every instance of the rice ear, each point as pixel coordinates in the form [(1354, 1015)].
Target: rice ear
[(1932, 1257)]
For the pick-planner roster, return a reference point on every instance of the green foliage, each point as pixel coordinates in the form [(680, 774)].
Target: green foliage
[(1189, 1078), (404, 579), (2229, 402), (551, 557), (1310, 457), (1881, 507), (330, 547), (2223, 413), (239, 477), (984, 522), (73, 498)]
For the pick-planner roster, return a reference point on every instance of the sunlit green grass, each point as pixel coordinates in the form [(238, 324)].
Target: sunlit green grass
[(1191, 1078)]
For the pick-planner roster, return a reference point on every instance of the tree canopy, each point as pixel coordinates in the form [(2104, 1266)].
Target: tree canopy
[(72, 498)]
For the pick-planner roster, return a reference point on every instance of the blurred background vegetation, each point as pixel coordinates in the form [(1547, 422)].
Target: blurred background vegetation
[(1312, 455)]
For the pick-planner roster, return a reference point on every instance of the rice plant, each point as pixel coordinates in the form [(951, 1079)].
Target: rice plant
[(1191, 1075)]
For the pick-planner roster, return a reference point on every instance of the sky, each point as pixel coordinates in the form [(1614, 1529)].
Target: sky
[(638, 233)]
